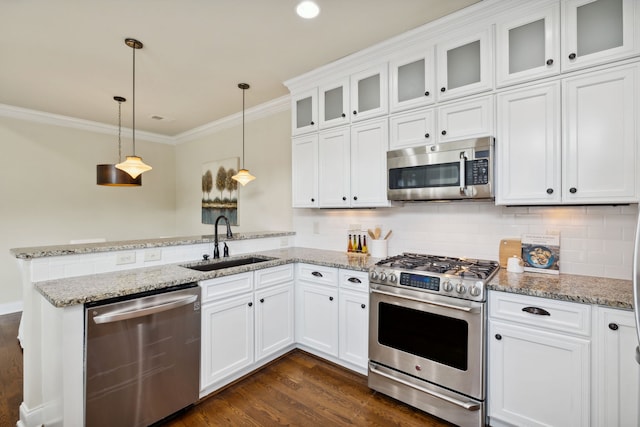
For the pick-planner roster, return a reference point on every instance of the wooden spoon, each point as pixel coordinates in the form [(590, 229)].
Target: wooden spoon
[(377, 233), (387, 235), (370, 233)]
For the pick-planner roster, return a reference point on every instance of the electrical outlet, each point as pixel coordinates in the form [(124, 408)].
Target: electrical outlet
[(125, 258), (152, 254)]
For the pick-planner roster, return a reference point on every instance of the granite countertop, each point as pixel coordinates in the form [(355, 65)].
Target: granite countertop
[(123, 245), (616, 293), (79, 290)]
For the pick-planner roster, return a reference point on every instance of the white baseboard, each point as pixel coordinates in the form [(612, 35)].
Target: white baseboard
[(10, 307)]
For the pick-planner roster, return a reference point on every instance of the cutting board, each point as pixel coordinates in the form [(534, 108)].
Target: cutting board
[(509, 248)]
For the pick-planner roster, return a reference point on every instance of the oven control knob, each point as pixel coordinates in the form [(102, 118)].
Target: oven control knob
[(447, 286), (460, 288), (392, 278), (383, 277), (474, 291), (374, 275)]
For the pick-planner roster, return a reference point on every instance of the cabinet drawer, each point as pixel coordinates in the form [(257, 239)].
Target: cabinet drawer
[(317, 274), (222, 287), (273, 276), (541, 313), (356, 280)]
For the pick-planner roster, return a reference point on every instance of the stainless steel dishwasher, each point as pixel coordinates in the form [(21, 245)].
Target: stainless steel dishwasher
[(142, 357)]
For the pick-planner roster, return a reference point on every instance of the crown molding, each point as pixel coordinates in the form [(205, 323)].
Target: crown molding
[(80, 124), (263, 110), (258, 112)]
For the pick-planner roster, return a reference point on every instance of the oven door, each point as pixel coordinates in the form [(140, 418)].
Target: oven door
[(435, 338)]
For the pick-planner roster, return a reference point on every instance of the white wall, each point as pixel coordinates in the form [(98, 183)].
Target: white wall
[(263, 204), (48, 192), (594, 240)]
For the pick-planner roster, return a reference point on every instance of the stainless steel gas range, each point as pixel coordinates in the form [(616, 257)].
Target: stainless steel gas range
[(427, 333)]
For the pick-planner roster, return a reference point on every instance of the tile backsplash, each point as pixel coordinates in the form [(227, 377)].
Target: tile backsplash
[(594, 240)]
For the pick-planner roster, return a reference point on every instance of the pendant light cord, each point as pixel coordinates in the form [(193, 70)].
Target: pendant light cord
[(134, 100), (243, 91), (119, 131)]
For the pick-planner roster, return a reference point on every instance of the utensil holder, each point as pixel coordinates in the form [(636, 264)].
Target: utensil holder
[(378, 248)]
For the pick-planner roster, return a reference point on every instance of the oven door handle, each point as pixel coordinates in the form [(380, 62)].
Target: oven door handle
[(469, 406), (437, 304)]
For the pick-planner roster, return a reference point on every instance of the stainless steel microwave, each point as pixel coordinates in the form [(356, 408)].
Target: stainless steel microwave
[(448, 171)]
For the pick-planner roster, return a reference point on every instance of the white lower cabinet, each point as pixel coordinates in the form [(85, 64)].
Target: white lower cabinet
[(227, 338), (332, 314), (616, 372), (242, 328), (317, 317), (539, 362), (547, 366)]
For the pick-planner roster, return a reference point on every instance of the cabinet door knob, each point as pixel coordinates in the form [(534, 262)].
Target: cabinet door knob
[(444, 132), (426, 135), (572, 56), (344, 115), (426, 93), (613, 326), (344, 198), (313, 200), (537, 310), (363, 306), (250, 304), (330, 298), (355, 112), (442, 89), (549, 190), (355, 197), (549, 61), (312, 123), (573, 190), (262, 300), (498, 337), (317, 274)]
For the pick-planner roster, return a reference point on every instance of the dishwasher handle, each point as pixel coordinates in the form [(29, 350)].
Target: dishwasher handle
[(118, 315)]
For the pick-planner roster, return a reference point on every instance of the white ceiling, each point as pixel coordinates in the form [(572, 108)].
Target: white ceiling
[(68, 57)]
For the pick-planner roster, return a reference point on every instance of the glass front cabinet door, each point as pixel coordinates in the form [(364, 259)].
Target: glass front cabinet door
[(412, 81), (369, 93), (597, 31), (465, 65), (304, 106), (334, 104), (528, 45)]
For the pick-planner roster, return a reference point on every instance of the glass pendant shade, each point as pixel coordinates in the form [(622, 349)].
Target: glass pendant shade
[(109, 175), (243, 177), (133, 166)]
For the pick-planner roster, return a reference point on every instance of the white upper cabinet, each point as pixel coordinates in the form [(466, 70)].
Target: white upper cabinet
[(598, 31), (304, 108), (600, 117), (412, 81), (466, 119), (412, 128), (370, 93), (528, 146), (304, 168), (465, 65), (528, 45), (334, 104), (334, 165)]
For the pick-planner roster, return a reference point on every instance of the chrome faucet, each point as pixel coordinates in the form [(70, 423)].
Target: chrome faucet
[(216, 251)]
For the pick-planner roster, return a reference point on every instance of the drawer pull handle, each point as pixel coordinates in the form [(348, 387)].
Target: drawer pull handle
[(354, 280), (317, 274), (613, 326), (536, 310)]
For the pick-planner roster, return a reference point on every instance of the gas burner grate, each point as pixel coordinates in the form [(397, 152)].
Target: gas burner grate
[(468, 268)]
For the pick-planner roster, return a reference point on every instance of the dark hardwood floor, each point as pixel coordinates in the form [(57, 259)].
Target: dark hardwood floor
[(295, 390)]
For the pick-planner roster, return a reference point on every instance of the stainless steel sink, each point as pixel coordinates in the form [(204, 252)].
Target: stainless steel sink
[(219, 265)]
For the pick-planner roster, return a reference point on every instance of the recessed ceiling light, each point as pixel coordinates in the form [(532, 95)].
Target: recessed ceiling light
[(307, 9)]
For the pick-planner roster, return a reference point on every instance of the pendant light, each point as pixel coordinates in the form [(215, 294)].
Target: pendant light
[(109, 175), (243, 177), (134, 165)]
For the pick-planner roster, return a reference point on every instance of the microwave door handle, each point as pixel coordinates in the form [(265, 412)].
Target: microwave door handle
[(463, 172)]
